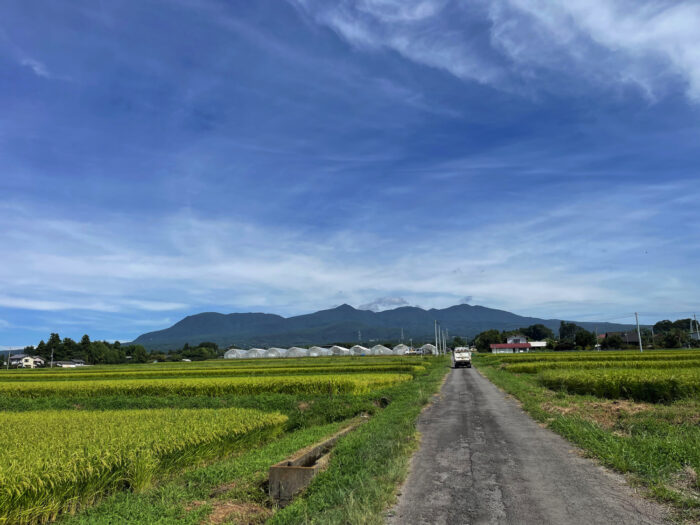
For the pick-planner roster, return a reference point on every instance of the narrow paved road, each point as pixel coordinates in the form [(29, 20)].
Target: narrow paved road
[(483, 460)]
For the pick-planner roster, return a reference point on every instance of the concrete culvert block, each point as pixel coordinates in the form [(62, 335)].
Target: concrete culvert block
[(290, 477)]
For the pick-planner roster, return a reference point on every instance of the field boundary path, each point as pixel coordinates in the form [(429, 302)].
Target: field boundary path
[(483, 460)]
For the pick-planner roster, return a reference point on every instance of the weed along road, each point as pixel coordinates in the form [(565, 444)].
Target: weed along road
[(483, 460)]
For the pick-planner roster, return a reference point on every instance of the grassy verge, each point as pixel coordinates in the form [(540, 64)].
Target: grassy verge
[(657, 445), (367, 465)]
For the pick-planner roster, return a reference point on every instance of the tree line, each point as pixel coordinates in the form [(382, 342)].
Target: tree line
[(664, 334), (108, 353)]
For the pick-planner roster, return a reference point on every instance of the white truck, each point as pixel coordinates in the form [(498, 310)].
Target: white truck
[(462, 357)]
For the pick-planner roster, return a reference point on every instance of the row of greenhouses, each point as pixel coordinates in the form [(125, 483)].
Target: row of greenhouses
[(318, 351)]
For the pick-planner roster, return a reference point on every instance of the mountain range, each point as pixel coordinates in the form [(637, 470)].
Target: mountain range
[(343, 323)]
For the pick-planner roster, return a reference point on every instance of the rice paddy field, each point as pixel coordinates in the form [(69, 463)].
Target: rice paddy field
[(192, 442), (638, 413)]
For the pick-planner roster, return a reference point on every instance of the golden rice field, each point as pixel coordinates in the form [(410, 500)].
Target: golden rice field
[(305, 384), (653, 376), (57, 461), (88, 373)]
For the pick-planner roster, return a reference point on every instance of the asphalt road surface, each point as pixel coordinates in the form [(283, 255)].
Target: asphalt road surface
[(483, 460)]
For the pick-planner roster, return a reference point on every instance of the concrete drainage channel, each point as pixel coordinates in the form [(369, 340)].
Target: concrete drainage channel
[(291, 476)]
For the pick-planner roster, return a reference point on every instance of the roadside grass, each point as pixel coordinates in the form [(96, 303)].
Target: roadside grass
[(367, 465), (656, 445)]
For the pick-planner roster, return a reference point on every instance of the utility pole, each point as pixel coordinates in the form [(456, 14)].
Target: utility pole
[(437, 347), (402, 335), (9, 355), (697, 327), (51, 357), (639, 335), (596, 339), (653, 344)]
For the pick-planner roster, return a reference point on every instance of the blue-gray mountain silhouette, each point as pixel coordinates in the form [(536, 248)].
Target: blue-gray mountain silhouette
[(342, 324)]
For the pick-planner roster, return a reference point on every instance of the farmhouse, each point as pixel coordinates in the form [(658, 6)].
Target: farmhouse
[(69, 364), (26, 361), (510, 348)]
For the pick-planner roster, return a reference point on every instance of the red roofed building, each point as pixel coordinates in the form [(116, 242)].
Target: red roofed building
[(510, 348)]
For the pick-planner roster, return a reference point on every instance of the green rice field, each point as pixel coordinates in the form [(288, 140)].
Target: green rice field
[(98, 444)]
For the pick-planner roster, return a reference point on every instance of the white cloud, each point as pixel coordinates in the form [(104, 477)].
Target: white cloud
[(413, 28), (614, 41), (586, 255), (37, 67), (384, 303), (650, 44)]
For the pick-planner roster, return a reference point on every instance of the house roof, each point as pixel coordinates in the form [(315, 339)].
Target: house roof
[(510, 345)]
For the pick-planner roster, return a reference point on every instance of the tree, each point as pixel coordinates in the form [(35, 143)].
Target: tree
[(537, 332), (584, 338), (675, 338), (663, 326), (485, 339), (567, 331), (612, 341), (458, 341), (139, 354)]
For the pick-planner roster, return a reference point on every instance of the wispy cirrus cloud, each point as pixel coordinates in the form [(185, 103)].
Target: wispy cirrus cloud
[(516, 44), (531, 258), (37, 67)]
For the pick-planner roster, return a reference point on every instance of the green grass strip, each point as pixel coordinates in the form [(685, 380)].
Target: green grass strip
[(367, 465)]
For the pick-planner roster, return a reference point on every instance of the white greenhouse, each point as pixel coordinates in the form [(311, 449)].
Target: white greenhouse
[(256, 352), (318, 351), (275, 352), (339, 350), (401, 349), (359, 350), (235, 353), (295, 351), (381, 350), (428, 349)]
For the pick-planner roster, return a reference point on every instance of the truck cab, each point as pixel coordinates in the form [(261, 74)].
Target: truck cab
[(462, 357)]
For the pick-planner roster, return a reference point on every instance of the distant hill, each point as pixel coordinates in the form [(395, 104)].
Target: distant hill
[(342, 324)]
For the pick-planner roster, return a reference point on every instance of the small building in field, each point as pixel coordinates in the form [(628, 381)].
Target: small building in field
[(510, 348), (538, 344), (16, 360), (32, 362)]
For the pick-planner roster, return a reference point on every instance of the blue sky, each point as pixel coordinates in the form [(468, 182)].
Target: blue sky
[(162, 158)]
